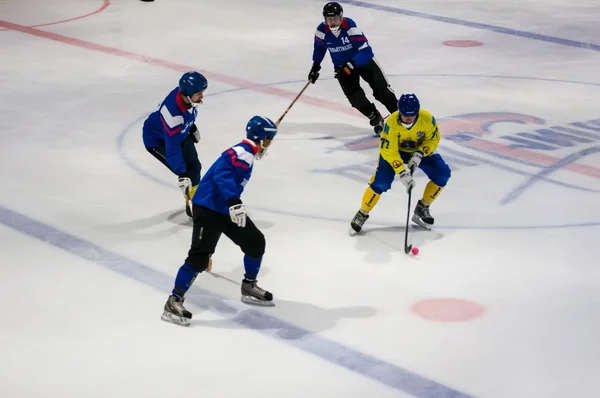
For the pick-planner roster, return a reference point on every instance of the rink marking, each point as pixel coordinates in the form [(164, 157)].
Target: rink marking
[(541, 176), (270, 90), (89, 14), (259, 321), (233, 81), (476, 25), (169, 185)]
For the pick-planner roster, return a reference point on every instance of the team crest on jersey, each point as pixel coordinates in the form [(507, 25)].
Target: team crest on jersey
[(396, 164), (420, 134), (426, 150)]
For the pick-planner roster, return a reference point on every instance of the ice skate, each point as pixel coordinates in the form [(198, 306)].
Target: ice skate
[(422, 216), (376, 120), (358, 221), (175, 312), (253, 294)]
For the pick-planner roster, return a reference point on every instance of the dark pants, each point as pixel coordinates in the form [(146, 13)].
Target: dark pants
[(208, 227), (190, 157), (373, 75)]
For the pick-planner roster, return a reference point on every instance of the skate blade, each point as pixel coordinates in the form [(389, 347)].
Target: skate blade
[(254, 301), (421, 223), (352, 231), (188, 210), (172, 318)]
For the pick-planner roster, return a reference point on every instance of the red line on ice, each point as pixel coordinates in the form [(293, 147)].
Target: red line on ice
[(515, 153), (89, 14), (178, 67)]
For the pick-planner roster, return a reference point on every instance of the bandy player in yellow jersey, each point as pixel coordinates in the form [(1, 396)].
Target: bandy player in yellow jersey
[(409, 140)]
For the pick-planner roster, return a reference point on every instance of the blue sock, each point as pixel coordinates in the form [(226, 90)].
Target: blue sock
[(184, 280), (252, 266)]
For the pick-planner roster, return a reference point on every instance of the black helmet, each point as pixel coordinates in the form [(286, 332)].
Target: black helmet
[(332, 9)]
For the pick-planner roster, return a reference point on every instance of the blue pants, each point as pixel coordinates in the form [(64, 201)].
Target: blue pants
[(433, 166)]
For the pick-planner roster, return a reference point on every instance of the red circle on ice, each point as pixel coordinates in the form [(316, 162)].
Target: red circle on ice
[(447, 310), (463, 43)]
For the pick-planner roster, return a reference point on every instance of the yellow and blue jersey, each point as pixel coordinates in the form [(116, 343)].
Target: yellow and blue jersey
[(422, 136)]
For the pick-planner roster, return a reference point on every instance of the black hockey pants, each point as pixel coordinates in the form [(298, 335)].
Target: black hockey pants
[(374, 76), (190, 157), (208, 227)]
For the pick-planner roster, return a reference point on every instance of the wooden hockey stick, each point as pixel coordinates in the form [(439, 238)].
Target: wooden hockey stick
[(292, 104), (209, 268)]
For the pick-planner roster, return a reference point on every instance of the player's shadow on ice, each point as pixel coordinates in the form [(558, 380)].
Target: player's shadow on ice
[(158, 227), (291, 131), (152, 228), (281, 320), (391, 240)]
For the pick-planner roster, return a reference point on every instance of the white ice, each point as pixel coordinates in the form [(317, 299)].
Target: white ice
[(93, 230)]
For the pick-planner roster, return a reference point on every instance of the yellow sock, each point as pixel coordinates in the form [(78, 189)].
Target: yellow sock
[(369, 200), (191, 193), (431, 193)]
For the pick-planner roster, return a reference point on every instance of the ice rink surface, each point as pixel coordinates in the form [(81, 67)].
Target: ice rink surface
[(502, 301)]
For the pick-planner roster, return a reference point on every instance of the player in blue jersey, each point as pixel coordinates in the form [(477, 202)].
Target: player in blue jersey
[(170, 132), (352, 58), (218, 209)]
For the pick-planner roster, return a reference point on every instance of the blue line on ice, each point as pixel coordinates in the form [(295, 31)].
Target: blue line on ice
[(259, 321)]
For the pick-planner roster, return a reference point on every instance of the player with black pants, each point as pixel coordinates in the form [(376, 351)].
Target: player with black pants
[(218, 210), (208, 228), (353, 59), (193, 167)]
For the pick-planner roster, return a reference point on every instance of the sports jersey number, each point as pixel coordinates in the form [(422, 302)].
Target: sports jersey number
[(384, 141), (345, 40)]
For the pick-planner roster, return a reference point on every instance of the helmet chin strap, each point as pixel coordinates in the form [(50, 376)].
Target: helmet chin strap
[(406, 125), (194, 104), (262, 148)]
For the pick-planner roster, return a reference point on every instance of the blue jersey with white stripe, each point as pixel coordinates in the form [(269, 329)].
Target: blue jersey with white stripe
[(169, 126), (226, 178), (347, 44)]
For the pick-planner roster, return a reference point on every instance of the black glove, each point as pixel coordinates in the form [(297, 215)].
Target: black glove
[(314, 72), (194, 134), (233, 202), (345, 69)]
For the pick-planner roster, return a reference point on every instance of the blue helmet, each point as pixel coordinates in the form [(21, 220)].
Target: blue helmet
[(192, 83), (259, 128), (409, 105)]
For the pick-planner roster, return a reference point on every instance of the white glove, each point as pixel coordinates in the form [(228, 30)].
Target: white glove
[(238, 214), (415, 161), (196, 135), (407, 180), (185, 184)]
